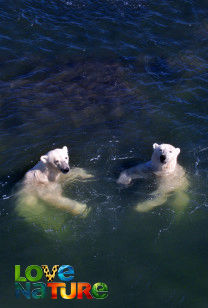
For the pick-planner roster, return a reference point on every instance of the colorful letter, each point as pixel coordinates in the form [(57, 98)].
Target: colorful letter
[(100, 290), (66, 270), (17, 274), (54, 286), (39, 292), (19, 289), (73, 292), (86, 291), (38, 270), (50, 276)]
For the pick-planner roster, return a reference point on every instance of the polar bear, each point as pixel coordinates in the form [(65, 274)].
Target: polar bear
[(44, 182), (170, 176)]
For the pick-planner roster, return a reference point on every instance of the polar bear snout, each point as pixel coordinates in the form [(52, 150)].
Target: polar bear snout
[(162, 158), (64, 167), (66, 170)]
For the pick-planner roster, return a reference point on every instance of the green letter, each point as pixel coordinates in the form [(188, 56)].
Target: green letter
[(100, 290), (39, 292), (17, 274), (38, 270)]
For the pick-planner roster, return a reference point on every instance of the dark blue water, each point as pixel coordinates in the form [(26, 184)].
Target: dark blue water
[(107, 79)]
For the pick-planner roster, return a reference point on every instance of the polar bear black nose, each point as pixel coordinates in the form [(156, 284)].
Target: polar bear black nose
[(65, 170), (162, 158)]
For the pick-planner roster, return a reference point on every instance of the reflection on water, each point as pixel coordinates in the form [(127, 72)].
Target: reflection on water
[(107, 79)]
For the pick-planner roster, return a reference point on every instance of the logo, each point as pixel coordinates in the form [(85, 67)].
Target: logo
[(30, 285)]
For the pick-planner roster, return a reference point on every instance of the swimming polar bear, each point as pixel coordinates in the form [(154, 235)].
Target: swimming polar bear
[(170, 176), (43, 183)]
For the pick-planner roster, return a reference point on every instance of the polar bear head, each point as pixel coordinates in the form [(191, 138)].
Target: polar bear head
[(57, 159), (164, 157)]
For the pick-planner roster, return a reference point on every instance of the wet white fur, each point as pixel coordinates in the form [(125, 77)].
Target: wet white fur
[(170, 177), (45, 180)]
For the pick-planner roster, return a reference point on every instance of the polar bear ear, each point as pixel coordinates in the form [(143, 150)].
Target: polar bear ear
[(65, 149), (177, 151), (155, 146), (44, 159)]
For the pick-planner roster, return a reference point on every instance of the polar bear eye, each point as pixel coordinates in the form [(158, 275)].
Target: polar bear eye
[(56, 161), (170, 151), (66, 157)]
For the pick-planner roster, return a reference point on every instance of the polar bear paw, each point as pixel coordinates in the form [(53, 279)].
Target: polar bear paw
[(144, 207), (124, 179)]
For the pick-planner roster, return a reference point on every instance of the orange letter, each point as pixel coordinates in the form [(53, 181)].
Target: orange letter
[(54, 286), (73, 291), (86, 291)]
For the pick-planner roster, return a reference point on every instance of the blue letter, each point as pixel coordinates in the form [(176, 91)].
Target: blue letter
[(66, 270), (19, 289), (39, 292)]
